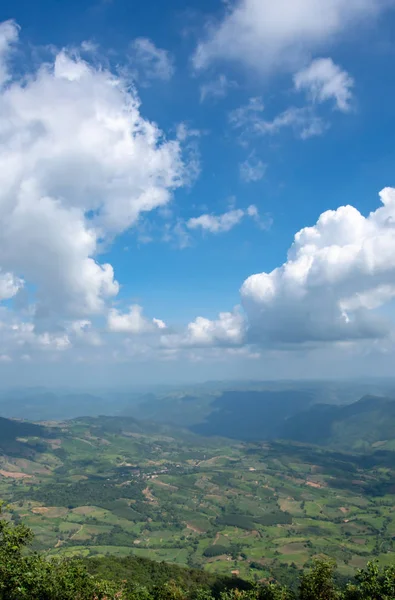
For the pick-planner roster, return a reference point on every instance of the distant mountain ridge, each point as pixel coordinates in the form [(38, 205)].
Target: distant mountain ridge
[(296, 417), (369, 421), (246, 416), (253, 415)]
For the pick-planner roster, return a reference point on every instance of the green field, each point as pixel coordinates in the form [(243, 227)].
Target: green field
[(105, 486)]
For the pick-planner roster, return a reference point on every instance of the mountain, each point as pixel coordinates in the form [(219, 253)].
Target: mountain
[(253, 415), (357, 426), (21, 438), (182, 406), (291, 414), (232, 408), (11, 429), (41, 404)]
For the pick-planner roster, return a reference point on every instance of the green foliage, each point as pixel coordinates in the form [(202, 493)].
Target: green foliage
[(215, 550), (277, 517), (242, 521), (98, 493), (373, 583), (149, 574), (318, 584), (29, 576), (102, 488)]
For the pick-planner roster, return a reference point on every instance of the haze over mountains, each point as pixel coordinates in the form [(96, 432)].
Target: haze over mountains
[(343, 414)]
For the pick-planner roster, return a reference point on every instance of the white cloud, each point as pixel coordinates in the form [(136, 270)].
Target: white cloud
[(252, 169), (19, 336), (133, 322), (216, 223), (266, 35), (53, 342), (336, 274), (217, 88), (220, 223), (248, 115), (227, 330), (323, 80), (151, 62), (84, 333), (78, 165), (177, 235), (159, 323), (303, 121), (9, 285), (89, 47), (189, 138), (249, 120), (8, 36)]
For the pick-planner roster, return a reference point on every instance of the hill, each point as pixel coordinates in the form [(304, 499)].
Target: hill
[(266, 411), (293, 415), (368, 422), (252, 415), (110, 485), (14, 437), (11, 429)]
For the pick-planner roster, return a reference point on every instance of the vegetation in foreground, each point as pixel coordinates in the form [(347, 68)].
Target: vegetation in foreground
[(29, 576)]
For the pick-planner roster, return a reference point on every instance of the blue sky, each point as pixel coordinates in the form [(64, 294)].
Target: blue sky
[(265, 119)]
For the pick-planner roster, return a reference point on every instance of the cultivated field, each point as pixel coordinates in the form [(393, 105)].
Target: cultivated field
[(107, 486)]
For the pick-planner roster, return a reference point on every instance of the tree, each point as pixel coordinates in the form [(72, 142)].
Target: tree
[(373, 583), (318, 583), (31, 577)]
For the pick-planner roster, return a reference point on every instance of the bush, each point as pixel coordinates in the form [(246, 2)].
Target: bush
[(216, 550)]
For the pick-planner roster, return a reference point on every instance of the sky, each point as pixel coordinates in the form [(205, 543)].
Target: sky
[(196, 190)]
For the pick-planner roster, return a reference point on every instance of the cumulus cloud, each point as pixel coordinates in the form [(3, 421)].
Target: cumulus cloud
[(78, 166), (133, 322), (227, 330), (336, 274), (266, 35), (83, 333), (221, 223), (19, 337), (324, 80), (150, 61), (249, 120)]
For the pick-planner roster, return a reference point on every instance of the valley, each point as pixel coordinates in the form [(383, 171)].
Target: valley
[(116, 486)]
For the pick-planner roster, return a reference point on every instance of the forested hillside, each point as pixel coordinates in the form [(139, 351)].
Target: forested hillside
[(302, 415), (357, 426)]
